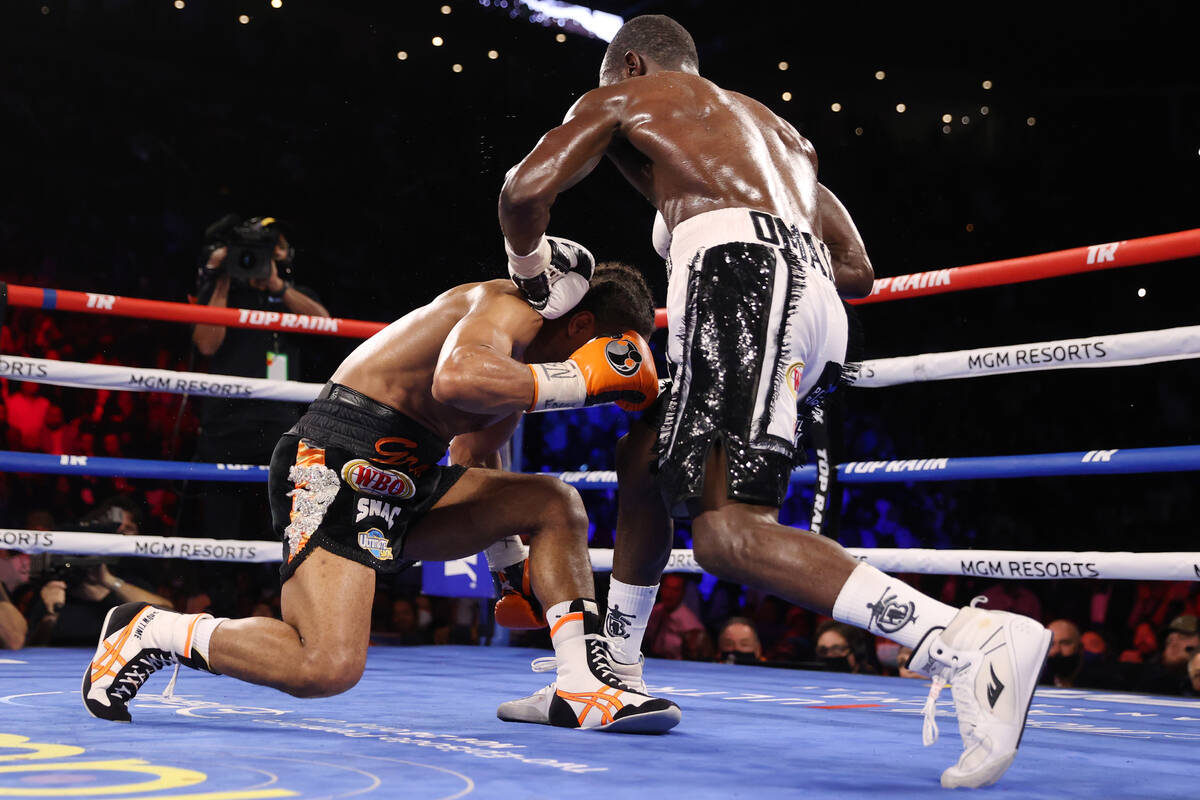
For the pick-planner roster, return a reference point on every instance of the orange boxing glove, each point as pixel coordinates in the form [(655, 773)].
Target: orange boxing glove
[(608, 369), (517, 608)]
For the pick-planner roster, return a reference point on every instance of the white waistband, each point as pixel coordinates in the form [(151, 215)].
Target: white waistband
[(731, 225)]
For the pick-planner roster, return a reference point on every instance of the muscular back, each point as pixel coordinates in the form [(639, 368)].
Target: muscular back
[(690, 146), (397, 365)]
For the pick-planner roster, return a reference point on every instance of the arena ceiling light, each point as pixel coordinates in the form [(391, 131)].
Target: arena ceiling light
[(600, 24)]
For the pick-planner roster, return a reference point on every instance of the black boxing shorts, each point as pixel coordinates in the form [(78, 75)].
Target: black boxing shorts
[(756, 334), (351, 477)]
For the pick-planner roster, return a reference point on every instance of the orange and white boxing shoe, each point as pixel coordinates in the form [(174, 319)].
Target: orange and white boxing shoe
[(588, 692), (128, 653)]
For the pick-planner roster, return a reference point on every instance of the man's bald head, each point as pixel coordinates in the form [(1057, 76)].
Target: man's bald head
[(1066, 638)]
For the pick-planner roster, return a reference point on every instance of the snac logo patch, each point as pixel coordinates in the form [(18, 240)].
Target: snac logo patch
[(372, 480)]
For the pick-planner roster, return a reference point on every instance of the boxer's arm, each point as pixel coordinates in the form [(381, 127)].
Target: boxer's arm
[(482, 448), (852, 269), (562, 158), (476, 370)]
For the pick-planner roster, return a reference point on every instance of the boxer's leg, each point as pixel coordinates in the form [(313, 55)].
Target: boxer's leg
[(641, 550), (485, 506), (320, 647), (991, 659)]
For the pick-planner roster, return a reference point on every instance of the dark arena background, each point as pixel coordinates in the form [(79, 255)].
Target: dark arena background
[(379, 135)]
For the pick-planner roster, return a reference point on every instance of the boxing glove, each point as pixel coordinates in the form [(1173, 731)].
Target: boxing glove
[(517, 607), (608, 369), (554, 277)]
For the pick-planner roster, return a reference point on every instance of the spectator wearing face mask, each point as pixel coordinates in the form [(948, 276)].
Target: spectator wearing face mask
[(738, 643), (1072, 663), (842, 648)]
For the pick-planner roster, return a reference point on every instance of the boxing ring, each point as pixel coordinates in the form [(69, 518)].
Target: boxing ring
[(421, 722), (421, 725)]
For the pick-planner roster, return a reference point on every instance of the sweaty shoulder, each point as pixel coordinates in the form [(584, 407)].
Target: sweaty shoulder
[(787, 132), (618, 97), (501, 304)]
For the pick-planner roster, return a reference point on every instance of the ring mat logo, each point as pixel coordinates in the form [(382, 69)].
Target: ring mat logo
[(623, 356)]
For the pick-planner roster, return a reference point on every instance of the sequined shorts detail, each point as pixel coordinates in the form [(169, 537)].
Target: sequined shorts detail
[(754, 321)]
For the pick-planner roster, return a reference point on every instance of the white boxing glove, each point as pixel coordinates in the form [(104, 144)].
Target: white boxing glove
[(554, 277), (660, 237)]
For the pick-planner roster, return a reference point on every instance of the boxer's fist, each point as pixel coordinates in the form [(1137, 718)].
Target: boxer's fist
[(608, 369), (554, 277)]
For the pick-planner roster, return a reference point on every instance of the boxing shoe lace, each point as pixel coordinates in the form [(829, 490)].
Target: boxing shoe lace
[(929, 730), (966, 704), (619, 680), (544, 664), (135, 673)]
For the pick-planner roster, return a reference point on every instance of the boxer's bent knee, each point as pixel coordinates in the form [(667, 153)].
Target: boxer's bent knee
[(555, 503), (722, 541), (326, 673)]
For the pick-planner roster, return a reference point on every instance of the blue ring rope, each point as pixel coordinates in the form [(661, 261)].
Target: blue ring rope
[(1094, 462)]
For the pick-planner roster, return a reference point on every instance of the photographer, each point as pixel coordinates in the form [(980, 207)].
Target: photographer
[(248, 265), (77, 591)]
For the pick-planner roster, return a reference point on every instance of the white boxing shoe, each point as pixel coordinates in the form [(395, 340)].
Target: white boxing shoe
[(991, 661)]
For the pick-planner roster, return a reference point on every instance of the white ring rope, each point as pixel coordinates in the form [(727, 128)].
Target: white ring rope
[(1025, 565), (136, 379), (1118, 350)]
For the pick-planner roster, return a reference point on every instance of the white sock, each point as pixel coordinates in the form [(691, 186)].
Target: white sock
[(889, 607), (182, 633), (625, 621), (566, 624), (506, 552), (202, 634)]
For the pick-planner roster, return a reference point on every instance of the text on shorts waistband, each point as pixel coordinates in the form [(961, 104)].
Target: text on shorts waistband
[(727, 225)]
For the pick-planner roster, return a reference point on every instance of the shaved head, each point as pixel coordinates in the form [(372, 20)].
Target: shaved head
[(652, 36)]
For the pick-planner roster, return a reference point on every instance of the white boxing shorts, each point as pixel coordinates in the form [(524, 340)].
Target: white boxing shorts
[(756, 331)]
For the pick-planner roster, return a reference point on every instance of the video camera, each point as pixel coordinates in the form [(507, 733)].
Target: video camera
[(249, 246), (71, 570)]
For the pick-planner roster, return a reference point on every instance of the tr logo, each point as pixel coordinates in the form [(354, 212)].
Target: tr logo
[(1100, 253)]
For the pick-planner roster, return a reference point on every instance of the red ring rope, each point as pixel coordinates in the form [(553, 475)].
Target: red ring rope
[(1149, 249)]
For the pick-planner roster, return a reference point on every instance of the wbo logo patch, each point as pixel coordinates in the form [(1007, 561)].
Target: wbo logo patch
[(623, 356), (372, 480), (375, 543)]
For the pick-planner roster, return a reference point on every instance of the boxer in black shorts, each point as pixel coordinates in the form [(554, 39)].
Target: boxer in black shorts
[(355, 488), (757, 252), (382, 471)]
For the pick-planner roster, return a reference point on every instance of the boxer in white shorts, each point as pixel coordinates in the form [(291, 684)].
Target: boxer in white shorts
[(756, 331), (752, 297)]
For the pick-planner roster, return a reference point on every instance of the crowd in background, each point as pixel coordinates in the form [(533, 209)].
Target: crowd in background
[(1108, 634)]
